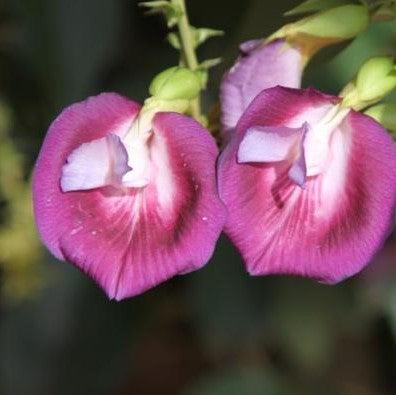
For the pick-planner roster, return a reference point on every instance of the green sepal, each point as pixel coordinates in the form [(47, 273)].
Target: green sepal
[(172, 12), (209, 63), (203, 76), (385, 114), (200, 35), (176, 83), (202, 70), (309, 6), (174, 40), (153, 105)]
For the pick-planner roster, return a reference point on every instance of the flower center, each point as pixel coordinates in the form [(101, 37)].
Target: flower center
[(136, 142), (306, 147), (119, 159), (318, 140)]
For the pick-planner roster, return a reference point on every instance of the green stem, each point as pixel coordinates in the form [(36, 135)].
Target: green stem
[(188, 52)]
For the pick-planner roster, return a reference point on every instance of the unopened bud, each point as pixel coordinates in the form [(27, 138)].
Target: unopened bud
[(176, 83), (340, 23), (376, 78), (324, 28)]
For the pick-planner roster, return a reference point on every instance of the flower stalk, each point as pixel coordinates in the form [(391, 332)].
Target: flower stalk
[(188, 51)]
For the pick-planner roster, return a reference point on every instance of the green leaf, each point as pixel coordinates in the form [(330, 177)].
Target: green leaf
[(315, 6)]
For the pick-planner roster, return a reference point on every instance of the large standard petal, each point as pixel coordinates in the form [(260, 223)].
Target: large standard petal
[(81, 123), (131, 239), (331, 229), (259, 67)]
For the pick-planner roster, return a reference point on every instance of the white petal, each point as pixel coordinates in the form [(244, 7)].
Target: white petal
[(95, 164), (269, 144)]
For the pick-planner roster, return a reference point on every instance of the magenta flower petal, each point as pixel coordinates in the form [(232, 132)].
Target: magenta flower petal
[(259, 67), (330, 229), (130, 239), (78, 124)]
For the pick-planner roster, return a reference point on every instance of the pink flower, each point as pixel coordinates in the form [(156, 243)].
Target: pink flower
[(310, 186), (259, 67), (131, 206)]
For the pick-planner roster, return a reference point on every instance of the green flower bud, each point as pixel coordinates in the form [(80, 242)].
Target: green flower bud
[(375, 79), (343, 22), (324, 28), (314, 6), (385, 114), (176, 83)]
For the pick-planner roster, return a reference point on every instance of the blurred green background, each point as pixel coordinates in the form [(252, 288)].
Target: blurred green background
[(213, 332)]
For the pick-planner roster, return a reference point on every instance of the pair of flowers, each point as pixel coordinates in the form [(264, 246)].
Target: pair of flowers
[(304, 186)]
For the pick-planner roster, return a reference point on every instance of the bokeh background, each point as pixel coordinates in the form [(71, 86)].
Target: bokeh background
[(213, 332)]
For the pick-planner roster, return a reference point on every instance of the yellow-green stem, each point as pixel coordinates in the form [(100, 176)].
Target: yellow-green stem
[(189, 54)]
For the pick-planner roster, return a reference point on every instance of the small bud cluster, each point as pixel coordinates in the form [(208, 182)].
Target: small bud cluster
[(186, 81), (375, 79)]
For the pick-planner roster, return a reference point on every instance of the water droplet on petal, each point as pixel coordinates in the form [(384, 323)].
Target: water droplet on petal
[(76, 230), (204, 218)]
